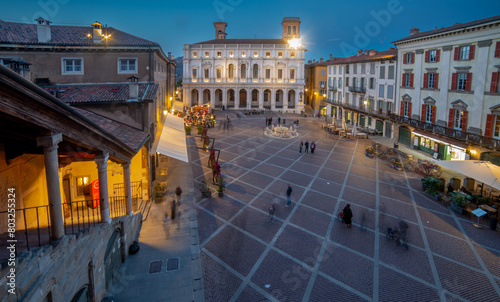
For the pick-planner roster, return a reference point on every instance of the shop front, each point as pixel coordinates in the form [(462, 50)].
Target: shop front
[(439, 147)]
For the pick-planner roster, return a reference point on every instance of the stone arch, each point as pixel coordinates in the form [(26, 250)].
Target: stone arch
[(255, 99), (195, 97), (279, 98), (267, 98), (230, 98), (218, 98), (243, 98), (206, 96), (291, 98)]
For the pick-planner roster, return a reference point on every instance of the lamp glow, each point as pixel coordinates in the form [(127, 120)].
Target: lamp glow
[(294, 43)]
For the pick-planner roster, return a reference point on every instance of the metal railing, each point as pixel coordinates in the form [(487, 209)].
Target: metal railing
[(332, 88), (357, 89), (33, 224)]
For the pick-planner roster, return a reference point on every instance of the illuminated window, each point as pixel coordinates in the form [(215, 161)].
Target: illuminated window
[(219, 74), (206, 74), (292, 54), (207, 54), (219, 54), (243, 71), (194, 74), (231, 53), (280, 74), (195, 54), (292, 75), (243, 54), (256, 53), (268, 75), (280, 54), (82, 185), (268, 54), (231, 72)]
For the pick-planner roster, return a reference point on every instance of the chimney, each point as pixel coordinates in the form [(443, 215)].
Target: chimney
[(97, 32), (372, 52), (360, 52), (331, 56), (321, 60), (133, 87), (43, 30), (309, 62), (220, 30), (414, 31)]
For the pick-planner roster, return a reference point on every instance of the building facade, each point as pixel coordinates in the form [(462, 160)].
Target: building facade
[(448, 94), (361, 88), (246, 73), (315, 91)]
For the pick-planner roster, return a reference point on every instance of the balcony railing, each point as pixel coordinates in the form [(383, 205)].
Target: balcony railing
[(472, 138), (332, 88), (357, 89)]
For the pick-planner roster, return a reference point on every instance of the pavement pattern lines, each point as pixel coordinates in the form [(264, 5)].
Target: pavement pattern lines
[(306, 253)]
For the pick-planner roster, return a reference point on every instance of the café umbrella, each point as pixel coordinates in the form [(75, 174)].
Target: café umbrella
[(482, 171)]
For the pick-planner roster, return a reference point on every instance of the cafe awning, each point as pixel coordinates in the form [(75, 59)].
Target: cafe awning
[(173, 139), (482, 171)]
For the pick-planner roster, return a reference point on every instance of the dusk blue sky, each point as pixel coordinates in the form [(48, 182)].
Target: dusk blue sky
[(328, 27)]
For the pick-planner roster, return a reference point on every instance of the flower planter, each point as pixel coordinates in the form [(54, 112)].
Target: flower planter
[(456, 208)]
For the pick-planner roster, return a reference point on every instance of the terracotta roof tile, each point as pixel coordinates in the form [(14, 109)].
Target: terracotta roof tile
[(130, 136), (104, 93), (244, 41), (450, 28), (23, 33)]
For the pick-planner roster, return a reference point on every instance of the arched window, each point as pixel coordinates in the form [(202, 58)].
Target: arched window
[(289, 30), (231, 72), (243, 71), (294, 30), (255, 71)]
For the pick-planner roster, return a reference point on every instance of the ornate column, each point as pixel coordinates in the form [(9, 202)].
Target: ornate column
[(261, 98), (212, 98), (236, 98), (128, 190), (273, 99), (50, 145), (102, 170), (285, 100), (249, 98), (224, 97)]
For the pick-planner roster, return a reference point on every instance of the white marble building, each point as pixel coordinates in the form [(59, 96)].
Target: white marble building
[(246, 74)]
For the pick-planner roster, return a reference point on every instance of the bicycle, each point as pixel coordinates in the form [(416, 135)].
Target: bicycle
[(396, 236)]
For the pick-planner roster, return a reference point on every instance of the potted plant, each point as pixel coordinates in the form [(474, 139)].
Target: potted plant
[(459, 201), (200, 129), (205, 190), (431, 186), (397, 165), (188, 130), (160, 190), (220, 186)]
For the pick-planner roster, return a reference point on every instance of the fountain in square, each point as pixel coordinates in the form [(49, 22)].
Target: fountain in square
[(280, 132)]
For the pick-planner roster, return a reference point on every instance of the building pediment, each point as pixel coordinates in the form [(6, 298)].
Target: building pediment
[(459, 105), (495, 109), (406, 98), (429, 101)]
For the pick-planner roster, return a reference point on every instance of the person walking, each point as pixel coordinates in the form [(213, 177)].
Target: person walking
[(272, 209), (178, 193), (172, 208), (313, 146), (300, 147), (306, 145), (289, 196), (347, 216)]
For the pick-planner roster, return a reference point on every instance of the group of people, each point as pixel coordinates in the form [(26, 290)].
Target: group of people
[(306, 147), (203, 118)]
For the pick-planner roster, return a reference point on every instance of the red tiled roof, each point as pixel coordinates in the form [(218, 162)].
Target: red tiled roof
[(23, 33), (130, 136), (105, 93), (449, 28), (380, 55), (244, 41)]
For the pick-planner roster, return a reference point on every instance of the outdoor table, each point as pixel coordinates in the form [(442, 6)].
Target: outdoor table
[(362, 135), (488, 209)]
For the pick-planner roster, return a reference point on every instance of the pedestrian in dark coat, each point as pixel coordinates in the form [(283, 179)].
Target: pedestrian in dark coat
[(300, 147), (313, 146), (347, 216), (279, 119), (178, 193), (272, 209), (172, 207), (306, 145), (288, 196)]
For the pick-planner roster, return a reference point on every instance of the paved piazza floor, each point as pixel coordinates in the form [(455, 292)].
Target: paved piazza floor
[(307, 254)]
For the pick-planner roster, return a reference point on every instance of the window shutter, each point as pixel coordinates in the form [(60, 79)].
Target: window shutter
[(404, 80), (411, 79), (469, 81), (426, 80), (464, 120), (409, 109), (457, 53), (422, 117), (412, 57), (427, 56), (433, 114), (489, 125), (472, 50), (454, 78), (494, 82), (450, 118), (402, 109), (497, 50), (438, 55), (436, 80)]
